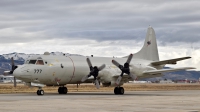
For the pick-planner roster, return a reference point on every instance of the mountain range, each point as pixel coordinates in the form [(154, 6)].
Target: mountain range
[(19, 59)]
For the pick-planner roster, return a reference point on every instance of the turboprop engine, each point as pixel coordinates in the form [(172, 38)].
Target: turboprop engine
[(106, 77)]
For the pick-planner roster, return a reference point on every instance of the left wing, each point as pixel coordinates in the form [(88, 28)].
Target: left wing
[(167, 70)]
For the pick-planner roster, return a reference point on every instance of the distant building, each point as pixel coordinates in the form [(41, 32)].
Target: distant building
[(8, 79), (166, 81), (139, 81)]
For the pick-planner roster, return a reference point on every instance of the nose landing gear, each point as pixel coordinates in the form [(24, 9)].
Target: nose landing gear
[(119, 90), (62, 90), (40, 92)]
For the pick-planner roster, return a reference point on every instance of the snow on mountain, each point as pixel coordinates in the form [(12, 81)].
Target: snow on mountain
[(23, 56), (18, 56)]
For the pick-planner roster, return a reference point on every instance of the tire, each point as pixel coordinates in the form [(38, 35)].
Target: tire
[(116, 90), (38, 92), (60, 90), (121, 90), (65, 90), (41, 92)]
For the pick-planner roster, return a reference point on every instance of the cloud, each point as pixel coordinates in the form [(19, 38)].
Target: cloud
[(108, 28)]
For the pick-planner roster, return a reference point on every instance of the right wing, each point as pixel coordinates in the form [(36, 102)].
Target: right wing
[(170, 61), (166, 70)]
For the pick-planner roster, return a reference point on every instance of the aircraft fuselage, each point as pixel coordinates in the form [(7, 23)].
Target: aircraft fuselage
[(61, 70)]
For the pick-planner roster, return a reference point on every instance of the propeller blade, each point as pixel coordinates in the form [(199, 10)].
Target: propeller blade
[(11, 72), (84, 78), (129, 58), (97, 84), (118, 80), (101, 67), (6, 73), (134, 77), (15, 83), (89, 62), (115, 63), (13, 64)]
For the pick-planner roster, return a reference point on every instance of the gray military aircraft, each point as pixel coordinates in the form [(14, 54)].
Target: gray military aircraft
[(62, 70)]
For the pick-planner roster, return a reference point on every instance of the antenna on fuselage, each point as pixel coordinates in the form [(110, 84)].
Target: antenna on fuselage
[(46, 53)]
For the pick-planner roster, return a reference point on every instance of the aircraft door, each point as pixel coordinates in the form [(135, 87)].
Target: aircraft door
[(68, 70)]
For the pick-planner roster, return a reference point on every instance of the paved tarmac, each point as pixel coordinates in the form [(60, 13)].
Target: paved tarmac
[(132, 101)]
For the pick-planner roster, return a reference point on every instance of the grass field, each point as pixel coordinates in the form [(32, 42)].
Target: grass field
[(8, 88)]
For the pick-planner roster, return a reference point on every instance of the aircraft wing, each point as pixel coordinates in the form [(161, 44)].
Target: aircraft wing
[(167, 70), (170, 61), (89, 80)]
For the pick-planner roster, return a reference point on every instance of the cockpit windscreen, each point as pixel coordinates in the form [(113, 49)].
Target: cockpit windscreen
[(32, 61), (40, 62), (37, 62)]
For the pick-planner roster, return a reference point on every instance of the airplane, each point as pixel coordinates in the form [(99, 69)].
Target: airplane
[(51, 70)]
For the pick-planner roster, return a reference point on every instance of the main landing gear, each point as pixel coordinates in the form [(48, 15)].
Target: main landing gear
[(62, 90), (119, 90)]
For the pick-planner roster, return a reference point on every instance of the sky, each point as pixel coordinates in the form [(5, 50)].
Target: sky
[(101, 27)]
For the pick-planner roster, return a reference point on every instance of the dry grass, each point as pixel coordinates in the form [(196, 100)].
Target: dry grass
[(8, 88)]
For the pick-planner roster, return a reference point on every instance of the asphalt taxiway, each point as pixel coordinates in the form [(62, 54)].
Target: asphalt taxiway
[(131, 101)]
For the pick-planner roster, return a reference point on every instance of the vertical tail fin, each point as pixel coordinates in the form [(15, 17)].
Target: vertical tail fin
[(149, 50)]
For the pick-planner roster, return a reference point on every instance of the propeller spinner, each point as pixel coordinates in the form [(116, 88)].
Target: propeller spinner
[(124, 69), (94, 71)]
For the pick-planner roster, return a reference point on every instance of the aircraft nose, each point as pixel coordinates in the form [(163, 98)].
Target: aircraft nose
[(17, 73), (21, 73)]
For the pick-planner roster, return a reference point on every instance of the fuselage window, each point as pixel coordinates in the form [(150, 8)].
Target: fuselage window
[(32, 61), (40, 62)]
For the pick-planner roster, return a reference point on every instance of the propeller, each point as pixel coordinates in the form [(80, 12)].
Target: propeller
[(124, 69), (94, 71), (12, 70)]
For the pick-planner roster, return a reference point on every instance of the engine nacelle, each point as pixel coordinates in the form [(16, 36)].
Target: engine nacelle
[(139, 68), (106, 76), (112, 84)]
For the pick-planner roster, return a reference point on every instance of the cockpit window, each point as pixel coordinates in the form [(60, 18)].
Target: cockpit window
[(40, 62), (32, 61)]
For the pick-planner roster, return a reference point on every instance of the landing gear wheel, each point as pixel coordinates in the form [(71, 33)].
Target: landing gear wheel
[(116, 90), (62, 90), (65, 90), (40, 92), (119, 90)]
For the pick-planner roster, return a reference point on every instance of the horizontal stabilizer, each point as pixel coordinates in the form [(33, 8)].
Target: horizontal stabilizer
[(170, 61), (167, 70)]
